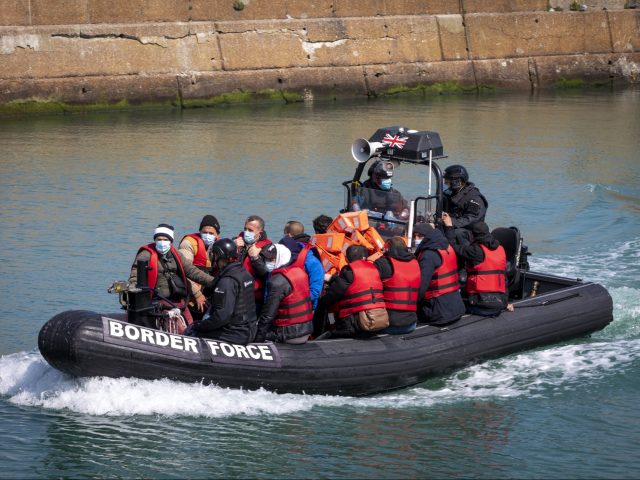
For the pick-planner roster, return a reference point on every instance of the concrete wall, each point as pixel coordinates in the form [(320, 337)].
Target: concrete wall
[(61, 53)]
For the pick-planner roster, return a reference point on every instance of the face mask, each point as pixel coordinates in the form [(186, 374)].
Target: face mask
[(163, 246), (417, 242), (270, 266), (385, 184), (249, 237), (208, 238)]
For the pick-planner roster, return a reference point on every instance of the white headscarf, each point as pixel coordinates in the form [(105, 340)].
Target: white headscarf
[(283, 256)]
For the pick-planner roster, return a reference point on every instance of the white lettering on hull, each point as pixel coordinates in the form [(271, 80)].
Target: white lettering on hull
[(122, 333), (255, 352)]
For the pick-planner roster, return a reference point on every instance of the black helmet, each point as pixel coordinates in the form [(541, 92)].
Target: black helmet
[(382, 168), (224, 249), (456, 175)]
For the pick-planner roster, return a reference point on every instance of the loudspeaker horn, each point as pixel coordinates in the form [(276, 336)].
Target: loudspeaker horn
[(362, 150)]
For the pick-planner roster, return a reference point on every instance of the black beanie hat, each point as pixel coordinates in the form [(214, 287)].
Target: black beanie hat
[(423, 229), (479, 228), (210, 221)]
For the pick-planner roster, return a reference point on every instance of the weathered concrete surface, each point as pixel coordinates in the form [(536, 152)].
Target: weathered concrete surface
[(344, 52)]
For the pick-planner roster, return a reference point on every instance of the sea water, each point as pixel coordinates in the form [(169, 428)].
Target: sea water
[(80, 193)]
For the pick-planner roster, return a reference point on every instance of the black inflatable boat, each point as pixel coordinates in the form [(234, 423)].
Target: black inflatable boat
[(548, 309), (84, 343)]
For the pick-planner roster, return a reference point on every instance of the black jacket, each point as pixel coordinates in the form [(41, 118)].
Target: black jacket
[(466, 207), (278, 287), (448, 307), (397, 318), (232, 315), (335, 292), (376, 199)]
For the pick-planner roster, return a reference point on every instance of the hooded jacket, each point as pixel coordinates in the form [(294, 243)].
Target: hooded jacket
[(444, 309)]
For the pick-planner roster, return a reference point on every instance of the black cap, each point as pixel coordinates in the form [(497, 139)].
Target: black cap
[(479, 228), (269, 252), (423, 229), (210, 221)]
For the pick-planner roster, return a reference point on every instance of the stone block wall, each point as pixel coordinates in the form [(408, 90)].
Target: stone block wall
[(107, 53)]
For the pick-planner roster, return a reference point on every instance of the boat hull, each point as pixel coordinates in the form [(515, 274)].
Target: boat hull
[(84, 343)]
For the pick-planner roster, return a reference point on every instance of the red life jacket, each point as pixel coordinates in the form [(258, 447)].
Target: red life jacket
[(152, 273), (445, 278), (488, 275), (365, 293), (401, 289), (295, 307), (302, 256), (259, 282), (200, 258)]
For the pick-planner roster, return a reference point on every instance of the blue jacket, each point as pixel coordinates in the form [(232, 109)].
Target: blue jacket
[(315, 271)]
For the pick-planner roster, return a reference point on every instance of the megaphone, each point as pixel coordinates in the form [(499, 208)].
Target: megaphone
[(362, 150)]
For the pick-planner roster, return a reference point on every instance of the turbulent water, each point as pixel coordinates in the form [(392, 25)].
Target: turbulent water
[(79, 194)]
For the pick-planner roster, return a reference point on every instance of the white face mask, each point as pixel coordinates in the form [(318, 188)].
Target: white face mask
[(163, 246), (208, 238), (417, 242), (270, 266)]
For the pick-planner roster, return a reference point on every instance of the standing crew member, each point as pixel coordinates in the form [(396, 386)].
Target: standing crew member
[(439, 294), (400, 274), (194, 248), (168, 272), (287, 314), (486, 265), (463, 201), (232, 315)]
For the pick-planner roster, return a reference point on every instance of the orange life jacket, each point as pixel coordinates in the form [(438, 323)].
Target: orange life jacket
[(200, 257), (365, 293), (445, 278), (401, 289), (295, 307), (488, 275)]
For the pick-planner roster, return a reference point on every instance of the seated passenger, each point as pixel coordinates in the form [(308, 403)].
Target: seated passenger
[(232, 315), (378, 195), (168, 272), (440, 302), (400, 274), (286, 315), (321, 223), (304, 255), (249, 243), (194, 248), (357, 290), (462, 199), (486, 265)]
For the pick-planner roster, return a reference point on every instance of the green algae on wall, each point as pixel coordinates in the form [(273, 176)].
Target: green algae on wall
[(443, 88)]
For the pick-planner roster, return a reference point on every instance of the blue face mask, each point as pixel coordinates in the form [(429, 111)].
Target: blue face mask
[(385, 184), (417, 242), (270, 266), (249, 237), (208, 238), (163, 246)]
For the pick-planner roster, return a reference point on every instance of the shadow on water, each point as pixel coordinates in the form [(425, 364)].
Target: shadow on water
[(358, 443)]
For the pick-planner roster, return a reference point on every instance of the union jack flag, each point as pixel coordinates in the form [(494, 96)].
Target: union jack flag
[(394, 141)]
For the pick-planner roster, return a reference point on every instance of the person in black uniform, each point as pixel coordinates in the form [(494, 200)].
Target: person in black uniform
[(377, 193), (462, 200), (232, 315)]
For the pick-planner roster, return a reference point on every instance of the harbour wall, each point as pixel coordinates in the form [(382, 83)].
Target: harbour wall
[(65, 55)]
